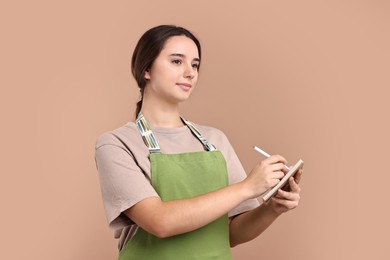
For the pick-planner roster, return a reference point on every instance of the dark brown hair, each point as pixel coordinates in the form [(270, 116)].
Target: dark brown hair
[(149, 47)]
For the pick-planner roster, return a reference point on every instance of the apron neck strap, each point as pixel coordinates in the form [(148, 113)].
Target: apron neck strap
[(151, 142), (206, 144)]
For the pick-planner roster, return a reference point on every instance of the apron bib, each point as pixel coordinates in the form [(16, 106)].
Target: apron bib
[(181, 176)]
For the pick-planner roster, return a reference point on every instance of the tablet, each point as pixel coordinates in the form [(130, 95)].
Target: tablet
[(284, 181)]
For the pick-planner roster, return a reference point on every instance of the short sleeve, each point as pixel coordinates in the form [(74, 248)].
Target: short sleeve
[(122, 183)]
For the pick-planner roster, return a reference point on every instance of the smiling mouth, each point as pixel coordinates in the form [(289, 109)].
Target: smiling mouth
[(184, 86)]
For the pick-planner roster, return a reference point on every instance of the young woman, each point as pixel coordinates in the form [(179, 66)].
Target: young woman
[(173, 189)]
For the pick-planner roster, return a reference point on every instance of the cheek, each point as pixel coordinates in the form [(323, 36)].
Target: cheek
[(167, 73), (164, 79), (195, 79)]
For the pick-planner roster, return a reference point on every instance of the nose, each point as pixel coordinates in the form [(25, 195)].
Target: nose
[(190, 71)]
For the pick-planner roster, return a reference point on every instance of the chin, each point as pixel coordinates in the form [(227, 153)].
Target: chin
[(181, 98)]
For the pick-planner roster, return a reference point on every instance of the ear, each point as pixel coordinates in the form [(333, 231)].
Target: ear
[(147, 74)]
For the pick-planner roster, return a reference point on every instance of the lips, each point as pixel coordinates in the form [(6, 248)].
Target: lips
[(184, 86)]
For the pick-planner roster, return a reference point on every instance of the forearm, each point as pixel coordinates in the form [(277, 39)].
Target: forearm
[(251, 224), (165, 219), (175, 217)]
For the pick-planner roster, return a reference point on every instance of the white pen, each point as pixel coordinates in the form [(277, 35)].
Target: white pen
[(257, 149)]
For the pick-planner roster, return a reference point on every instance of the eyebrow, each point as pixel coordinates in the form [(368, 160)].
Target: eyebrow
[(183, 56)]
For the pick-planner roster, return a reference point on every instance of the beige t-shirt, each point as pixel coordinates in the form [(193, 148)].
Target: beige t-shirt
[(124, 168)]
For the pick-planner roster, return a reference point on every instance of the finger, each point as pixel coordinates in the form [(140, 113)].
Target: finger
[(277, 175), (294, 187), (288, 204), (275, 159), (288, 195), (278, 167), (298, 176)]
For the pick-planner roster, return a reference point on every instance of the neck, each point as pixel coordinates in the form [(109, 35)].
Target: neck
[(161, 114)]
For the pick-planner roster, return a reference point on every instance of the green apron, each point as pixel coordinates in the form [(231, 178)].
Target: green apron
[(181, 176)]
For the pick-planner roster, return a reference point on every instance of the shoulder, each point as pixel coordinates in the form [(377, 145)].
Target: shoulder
[(124, 136), (209, 130), (213, 135)]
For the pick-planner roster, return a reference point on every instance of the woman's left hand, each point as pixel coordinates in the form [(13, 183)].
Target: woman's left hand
[(284, 201)]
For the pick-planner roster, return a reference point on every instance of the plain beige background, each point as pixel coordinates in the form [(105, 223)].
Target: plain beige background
[(305, 79)]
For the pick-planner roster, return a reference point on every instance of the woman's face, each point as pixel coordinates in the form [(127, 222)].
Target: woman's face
[(174, 73)]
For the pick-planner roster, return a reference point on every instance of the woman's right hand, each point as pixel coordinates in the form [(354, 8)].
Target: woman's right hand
[(265, 175)]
